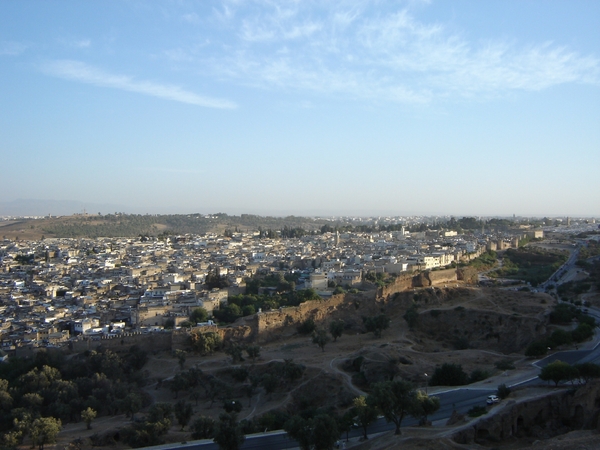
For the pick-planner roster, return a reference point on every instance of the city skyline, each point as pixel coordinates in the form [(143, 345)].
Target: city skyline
[(348, 108)]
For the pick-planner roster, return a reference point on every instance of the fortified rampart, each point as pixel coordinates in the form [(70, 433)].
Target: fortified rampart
[(150, 342), (441, 276), (233, 333), (263, 326), (423, 279), (267, 323)]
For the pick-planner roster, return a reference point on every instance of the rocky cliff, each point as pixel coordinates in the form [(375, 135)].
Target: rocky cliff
[(558, 412)]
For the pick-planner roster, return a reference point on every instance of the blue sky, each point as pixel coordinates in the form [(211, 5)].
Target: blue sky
[(301, 107)]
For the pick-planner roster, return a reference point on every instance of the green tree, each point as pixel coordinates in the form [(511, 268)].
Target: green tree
[(181, 357), (183, 413), (320, 338), (217, 389), (336, 328), (203, 428), (198, 315), (291, 370), (366, 413), (324, 432), (132, 403), (298, 428), (205, 343), (345, 422), (145, 434), (215, 280), (449, 375), (269, 382), (44, 430), (588, 371), (558, 371), (11, 439), (536, 349), (318, 433), (253, 351), (307, 327), (425, 406), (503, 391), (6, 400), (560, 337), (179, 383), (236, 353), (239, 374), (412, 317), (228, 433), (160, 412), (394, 399), (33, 402), (88, 415), (583, 332), (376, 324)]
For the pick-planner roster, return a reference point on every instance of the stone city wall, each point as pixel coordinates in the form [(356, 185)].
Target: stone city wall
[(441, 276), (408, 281), (271, 322), (150, 342), (233, 333), (264, 326)]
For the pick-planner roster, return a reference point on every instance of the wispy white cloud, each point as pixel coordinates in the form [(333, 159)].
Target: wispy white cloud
[(12, 48), (72, 42), (191, 18), (383, 52), (83, 43), (84, 73)]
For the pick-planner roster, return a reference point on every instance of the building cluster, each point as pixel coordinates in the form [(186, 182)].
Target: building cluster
[(55, 291)]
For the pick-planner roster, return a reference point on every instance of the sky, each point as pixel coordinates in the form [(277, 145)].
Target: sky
[(459, 107)]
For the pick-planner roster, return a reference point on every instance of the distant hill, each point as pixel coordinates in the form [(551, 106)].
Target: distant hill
[(132, 225), (36, 207)]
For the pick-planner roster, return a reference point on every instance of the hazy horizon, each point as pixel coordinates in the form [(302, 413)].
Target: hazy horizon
[(283, 107), (36, 207)]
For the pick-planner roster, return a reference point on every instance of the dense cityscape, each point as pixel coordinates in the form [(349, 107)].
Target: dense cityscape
[(196, 296)]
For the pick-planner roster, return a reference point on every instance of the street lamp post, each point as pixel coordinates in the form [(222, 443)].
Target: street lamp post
[(426, 384)]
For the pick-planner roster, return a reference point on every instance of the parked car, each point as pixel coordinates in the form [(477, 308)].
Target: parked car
[(492, 399)]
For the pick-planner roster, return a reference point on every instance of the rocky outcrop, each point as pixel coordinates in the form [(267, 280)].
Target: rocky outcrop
[(556, 413)]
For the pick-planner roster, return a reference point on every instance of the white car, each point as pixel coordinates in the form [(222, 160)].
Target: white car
[(492, 399)]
